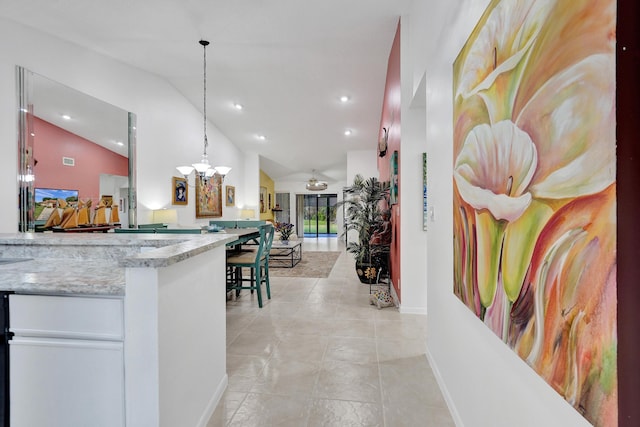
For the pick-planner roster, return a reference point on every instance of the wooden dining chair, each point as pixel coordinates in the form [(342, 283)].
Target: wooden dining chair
[(257, 262)]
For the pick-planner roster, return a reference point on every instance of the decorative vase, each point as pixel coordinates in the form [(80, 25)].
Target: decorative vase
[(367, 272), (284, 238)]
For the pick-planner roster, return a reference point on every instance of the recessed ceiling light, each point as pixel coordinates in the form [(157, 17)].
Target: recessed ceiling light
[(238, 106), (33, 134), (344, 98), (24, 110), (66, 117), (262, 137), (347, 132), (120, 143)]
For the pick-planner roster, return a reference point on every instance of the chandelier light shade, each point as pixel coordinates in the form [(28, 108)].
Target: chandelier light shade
[(222, 170), (314, 185), (185, 170), (203, 168)]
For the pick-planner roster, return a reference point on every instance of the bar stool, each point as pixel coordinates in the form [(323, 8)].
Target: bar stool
[(257, 262)]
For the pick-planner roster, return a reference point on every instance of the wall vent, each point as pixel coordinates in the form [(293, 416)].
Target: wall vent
[(68, 161)]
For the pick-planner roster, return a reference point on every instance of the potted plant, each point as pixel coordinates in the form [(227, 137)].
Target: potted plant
[(366, 215), (285, 229)]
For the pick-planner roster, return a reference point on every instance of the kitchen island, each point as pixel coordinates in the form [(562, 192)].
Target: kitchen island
[(113, 329)]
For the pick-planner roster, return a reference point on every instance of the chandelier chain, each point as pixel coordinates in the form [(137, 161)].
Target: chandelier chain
[(204, 44), (203, 167)]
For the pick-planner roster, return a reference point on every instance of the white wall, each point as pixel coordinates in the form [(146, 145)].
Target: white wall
[(250, 198), (413, 239), (169, 127), (485, 382), (363, 162)]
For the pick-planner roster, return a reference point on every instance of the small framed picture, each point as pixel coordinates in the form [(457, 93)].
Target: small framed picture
[(230, 192), (107, 200), (263, 199), (179, 191)]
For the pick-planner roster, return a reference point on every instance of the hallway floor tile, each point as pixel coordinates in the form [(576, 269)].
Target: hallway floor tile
[(317, 354)]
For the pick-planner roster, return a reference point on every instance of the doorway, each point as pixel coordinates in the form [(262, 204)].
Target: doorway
[(320, 215)]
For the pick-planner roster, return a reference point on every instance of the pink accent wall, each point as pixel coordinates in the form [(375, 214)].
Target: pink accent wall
[(52, 143), (390, 119)]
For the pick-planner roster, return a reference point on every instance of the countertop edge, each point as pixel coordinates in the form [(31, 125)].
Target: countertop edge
[(69, 275), (168, 255)]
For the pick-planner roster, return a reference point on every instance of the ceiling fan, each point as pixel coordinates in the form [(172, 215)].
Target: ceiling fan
[(314, 185)]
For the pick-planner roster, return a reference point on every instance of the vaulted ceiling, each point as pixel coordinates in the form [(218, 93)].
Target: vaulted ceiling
[(287, 62)]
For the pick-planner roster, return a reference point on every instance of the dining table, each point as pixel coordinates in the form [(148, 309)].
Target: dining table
[(243, 236)]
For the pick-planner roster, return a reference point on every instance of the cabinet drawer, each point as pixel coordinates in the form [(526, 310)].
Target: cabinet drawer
[(62, 383), (66, 317)]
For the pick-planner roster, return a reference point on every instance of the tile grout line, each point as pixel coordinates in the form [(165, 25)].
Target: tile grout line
[(382, 408)]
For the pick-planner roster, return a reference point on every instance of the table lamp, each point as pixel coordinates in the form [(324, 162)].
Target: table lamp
[(247, 213), (165, 216)]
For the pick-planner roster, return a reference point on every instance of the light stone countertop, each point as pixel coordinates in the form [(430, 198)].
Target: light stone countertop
[(92, 263), (63, 276)]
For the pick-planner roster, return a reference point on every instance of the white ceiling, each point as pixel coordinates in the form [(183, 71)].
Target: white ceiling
[(286, 61)]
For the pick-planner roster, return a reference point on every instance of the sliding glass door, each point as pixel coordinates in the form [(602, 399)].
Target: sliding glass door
[(320, 215)]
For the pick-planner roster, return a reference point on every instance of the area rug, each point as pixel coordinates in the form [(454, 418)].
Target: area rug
[(313, 264)]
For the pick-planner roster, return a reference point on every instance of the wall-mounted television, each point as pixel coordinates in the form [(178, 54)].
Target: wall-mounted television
[(45, 199)]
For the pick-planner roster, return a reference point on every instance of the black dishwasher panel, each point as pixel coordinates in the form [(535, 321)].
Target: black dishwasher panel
[(4, 359)]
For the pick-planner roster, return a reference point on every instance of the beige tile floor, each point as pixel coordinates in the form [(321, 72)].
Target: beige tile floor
[(317, 354)]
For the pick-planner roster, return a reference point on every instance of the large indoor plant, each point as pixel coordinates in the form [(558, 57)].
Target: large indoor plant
[(365, 202)]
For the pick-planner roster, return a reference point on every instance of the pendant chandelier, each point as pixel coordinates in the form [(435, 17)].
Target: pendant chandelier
[(203, 168), (314, 185)]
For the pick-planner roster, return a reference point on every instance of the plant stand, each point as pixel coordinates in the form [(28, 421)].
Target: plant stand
[(384, 272), (376, 272)]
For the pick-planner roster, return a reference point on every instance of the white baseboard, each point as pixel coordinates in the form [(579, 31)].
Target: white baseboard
[(413, 310), (213, 403), (404, 309), (445, 392)]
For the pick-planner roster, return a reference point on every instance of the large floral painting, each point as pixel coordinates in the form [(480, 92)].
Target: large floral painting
[(535, 190)]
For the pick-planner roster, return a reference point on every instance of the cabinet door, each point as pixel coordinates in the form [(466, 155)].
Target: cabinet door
[(59, 382)]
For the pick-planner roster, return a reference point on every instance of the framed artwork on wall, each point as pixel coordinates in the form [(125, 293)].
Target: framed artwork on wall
[(393, 171), (179, 191), (263, 199), (209, 197), (230, 192), (534, 191), (425, 208), (107, 200)]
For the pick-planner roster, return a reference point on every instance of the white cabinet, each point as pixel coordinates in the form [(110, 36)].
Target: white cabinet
[(66, 361)]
